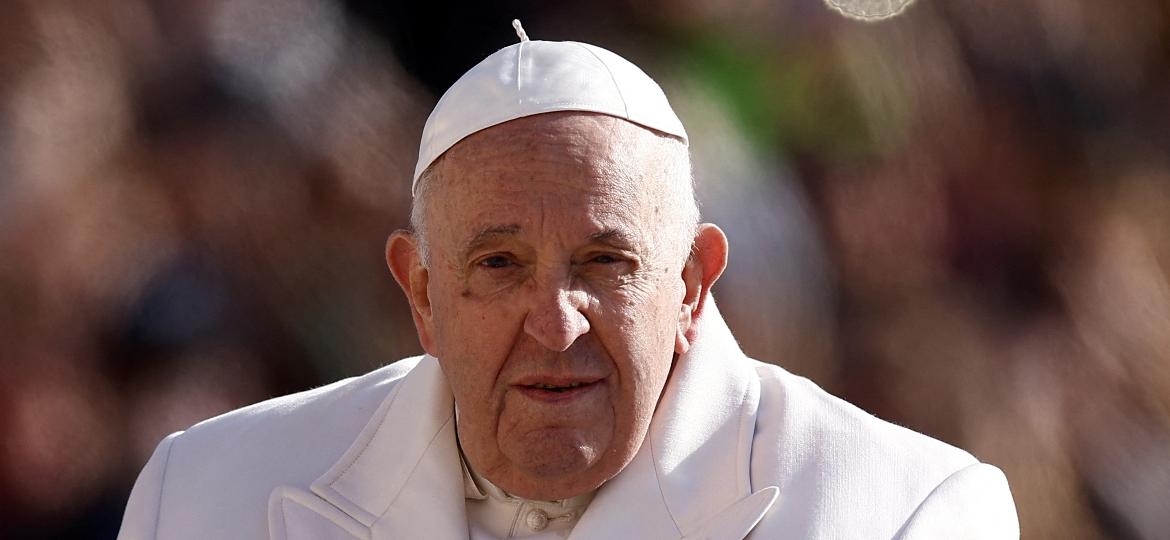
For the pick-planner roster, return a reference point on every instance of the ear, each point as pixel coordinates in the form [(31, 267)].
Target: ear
[(405, 262), (707, 261)]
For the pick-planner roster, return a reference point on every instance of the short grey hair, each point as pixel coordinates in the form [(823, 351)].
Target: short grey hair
[(423, 188)]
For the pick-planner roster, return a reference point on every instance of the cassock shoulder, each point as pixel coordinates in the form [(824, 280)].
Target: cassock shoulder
[(228, 465), (973, 503), (844, 472)]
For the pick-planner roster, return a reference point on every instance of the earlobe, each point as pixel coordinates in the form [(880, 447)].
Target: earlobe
[(707, 261), (406, 265)]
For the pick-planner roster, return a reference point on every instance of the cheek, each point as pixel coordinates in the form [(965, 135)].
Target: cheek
[(642, 344), (472, 341), (462, 320), (646, 324)]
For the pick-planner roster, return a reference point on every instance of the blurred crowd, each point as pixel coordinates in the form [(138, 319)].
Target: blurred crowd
[(958, 218)]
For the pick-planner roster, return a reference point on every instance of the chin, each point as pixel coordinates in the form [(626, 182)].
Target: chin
[(558, 452), (559, 463)]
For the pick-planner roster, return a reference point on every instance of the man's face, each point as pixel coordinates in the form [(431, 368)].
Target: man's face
[(554, 288)]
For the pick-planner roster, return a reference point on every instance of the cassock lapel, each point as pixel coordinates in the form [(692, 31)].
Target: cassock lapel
[(691, 478), (400, 479)]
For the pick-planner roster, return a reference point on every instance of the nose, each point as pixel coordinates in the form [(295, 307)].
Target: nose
[(555, 319)]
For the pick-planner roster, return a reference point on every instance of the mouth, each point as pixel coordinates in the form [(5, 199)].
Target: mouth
[(556, 391), (555, 388)]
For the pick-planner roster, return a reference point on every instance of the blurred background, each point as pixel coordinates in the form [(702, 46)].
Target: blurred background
[(958, 218)]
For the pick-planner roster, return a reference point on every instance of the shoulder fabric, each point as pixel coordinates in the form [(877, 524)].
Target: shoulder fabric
[(843, 473), (214, 481), (141, 518), (973, 503)]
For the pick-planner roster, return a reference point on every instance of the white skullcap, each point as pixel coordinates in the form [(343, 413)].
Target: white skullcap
[(534, 77)]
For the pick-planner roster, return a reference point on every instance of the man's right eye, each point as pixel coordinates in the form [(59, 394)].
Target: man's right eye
[(496, 261)]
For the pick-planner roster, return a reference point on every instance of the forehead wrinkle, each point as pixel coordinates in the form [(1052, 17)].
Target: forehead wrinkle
[(620, 154), (622, 169)]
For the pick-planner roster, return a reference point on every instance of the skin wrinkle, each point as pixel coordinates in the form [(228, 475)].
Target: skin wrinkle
[(558, 247), (671, 158)]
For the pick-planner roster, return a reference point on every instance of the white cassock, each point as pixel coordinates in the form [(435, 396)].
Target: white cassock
[(736, 448)]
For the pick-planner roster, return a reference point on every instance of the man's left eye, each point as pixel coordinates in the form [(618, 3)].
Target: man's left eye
[(605, 259), (495, 261)]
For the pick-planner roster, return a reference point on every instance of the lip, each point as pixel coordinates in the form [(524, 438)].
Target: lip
[(556, 380), (528, 388)]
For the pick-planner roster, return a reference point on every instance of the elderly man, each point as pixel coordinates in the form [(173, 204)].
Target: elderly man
[(579, 381)]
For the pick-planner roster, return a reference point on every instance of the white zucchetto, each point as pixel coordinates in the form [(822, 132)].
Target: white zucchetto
[(534, 77)]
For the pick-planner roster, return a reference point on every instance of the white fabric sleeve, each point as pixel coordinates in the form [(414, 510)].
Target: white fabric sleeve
[(973, 503), (140, 521)]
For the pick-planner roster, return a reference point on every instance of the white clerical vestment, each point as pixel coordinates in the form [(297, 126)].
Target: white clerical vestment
[(737, 448)]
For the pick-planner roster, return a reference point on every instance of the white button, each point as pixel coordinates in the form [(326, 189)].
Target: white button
[(537, 520)]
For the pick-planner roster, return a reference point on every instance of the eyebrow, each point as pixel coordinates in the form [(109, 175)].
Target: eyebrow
[(488, 235), (614, 237)]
